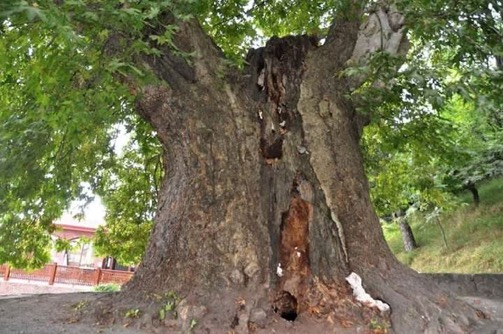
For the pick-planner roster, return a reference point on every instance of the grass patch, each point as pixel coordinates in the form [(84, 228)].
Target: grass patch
[(474, 236), (490, 192), (111, 287)]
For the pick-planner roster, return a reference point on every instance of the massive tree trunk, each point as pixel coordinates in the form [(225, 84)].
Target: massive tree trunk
[(265, 205)]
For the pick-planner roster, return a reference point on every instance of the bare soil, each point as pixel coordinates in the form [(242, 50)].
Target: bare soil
[(61, 313), (20, 288), (48, 314)]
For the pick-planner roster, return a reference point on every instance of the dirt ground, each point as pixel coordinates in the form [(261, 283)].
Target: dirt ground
[(19, 288), (54, 313), (49, 314)]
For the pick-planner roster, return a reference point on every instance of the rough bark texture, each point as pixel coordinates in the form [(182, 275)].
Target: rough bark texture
[(265, 201)]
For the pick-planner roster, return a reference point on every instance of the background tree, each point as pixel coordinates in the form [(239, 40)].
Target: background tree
[(129, 190), (479, 151), (445, 137), (262, 164)]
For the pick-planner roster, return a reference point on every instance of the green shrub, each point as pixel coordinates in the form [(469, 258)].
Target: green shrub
[(111, 287)]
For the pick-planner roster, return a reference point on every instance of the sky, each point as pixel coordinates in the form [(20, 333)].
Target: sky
[(94, 215)]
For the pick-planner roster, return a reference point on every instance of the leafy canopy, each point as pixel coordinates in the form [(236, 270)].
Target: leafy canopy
[(63, 101)]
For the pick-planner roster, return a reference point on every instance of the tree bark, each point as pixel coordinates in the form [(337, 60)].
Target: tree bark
[(409, 242), (265, 199)]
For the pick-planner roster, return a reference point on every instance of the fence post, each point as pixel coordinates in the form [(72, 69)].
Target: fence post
[(7, 273), (98, 276), (53, 273)]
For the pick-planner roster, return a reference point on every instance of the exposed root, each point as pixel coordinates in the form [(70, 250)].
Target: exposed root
[(419, 306), (329, 307), (336, 304)]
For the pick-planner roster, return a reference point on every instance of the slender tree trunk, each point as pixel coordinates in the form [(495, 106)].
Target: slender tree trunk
[(475, 193), (442, 231), (409, 242), (265, 205)]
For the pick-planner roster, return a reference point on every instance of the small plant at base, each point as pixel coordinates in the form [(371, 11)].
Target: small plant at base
[(193, 323), (168, 307), (80, 305), (171, 295), (132, 313), (377, 326)]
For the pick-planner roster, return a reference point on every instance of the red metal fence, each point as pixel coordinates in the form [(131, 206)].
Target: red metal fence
[(52, 273)]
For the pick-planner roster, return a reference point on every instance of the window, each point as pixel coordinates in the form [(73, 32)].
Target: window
[(81, 254)]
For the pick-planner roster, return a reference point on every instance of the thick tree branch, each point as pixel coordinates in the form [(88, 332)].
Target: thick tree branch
[(354, 39), (188, 68), (191, 57), (383, 31)]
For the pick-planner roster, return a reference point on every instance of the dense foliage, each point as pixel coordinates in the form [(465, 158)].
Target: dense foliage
[(66, 94), (129, 192), (439, 127)]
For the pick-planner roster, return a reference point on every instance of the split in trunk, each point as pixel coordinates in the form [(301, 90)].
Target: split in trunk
[(265, 205)]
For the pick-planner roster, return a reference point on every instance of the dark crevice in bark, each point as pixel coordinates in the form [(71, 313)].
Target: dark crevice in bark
[(277, 71), (286, 305), (297, 214), (294, 267), (272, 150)]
